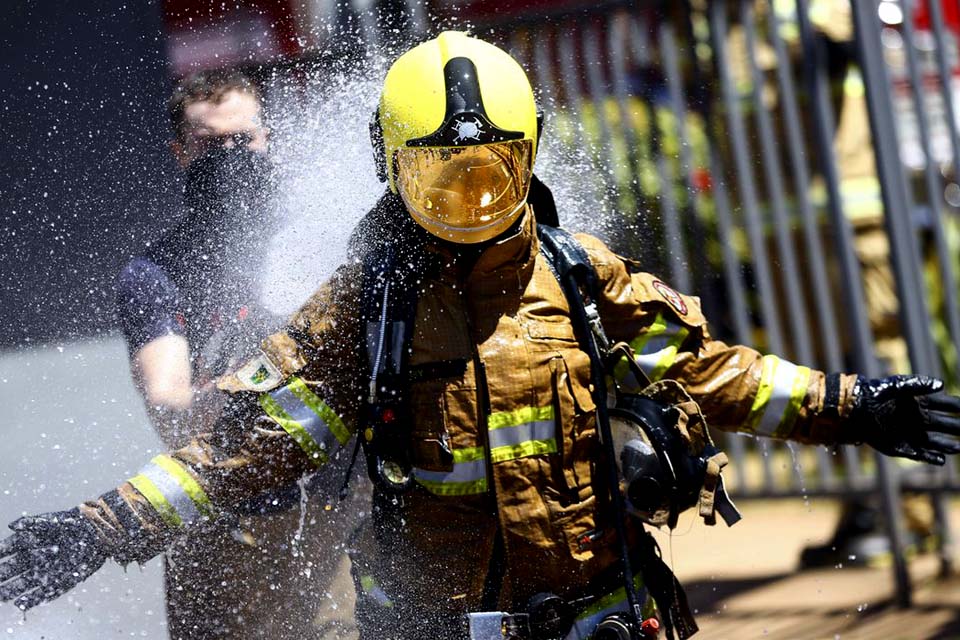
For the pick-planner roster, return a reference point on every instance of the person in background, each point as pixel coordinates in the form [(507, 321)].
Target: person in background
[(184, 306)]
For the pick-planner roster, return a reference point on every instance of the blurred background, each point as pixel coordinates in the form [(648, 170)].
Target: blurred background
[(792, 162)]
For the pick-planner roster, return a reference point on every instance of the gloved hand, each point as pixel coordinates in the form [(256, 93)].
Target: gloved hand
[(906, 416), (48, 555)]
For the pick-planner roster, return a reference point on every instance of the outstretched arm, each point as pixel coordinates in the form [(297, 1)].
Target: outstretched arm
[(740, 389), (289, 409)]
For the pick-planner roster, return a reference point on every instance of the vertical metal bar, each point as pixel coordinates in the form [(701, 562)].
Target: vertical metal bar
[(731, 265), (748, 195), (829, 330), (933, 183), (672, 232), (941, 516), (904, 252), (770, 162), (946, 81), (902, 243), (935, 199), (745, 179), (617, 52), (678, 104)]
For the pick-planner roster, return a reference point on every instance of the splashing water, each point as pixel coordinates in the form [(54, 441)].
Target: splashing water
[(326, 179), (302, 521), (798, 469)]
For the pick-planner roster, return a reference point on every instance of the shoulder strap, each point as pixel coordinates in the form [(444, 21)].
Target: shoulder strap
[(571, 264)]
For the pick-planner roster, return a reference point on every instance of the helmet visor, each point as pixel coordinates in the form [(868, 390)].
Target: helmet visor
[(465, 194)]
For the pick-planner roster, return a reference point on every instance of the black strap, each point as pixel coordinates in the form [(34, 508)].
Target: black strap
[(831, 398), (571, 263), (345, 487), (493, 583)]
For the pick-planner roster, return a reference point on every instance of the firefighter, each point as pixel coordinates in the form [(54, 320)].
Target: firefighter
[(185, 307), (497, 421)]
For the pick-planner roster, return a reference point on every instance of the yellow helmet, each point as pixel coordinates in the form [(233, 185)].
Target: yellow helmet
[(456, 134)]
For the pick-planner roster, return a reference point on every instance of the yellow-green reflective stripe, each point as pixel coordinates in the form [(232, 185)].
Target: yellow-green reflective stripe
[(186, 481), (454, 488), (669, 355), (293, 428), (797, 395), (622, 368), (503, 419), (659, 326), (312, 422), (468, 454), (523, 450), (779, 397), (156, 499), (523, 432), (299, 388), (764, 391)]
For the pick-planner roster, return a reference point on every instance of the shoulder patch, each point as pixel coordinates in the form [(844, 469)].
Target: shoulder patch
[(258, 374), (671, 296)]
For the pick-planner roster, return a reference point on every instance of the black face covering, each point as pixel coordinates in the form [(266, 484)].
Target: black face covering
[(215, 252), (226, 192)]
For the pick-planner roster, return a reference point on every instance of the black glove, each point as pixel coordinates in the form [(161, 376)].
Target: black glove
[(48, 555), (906, 416)]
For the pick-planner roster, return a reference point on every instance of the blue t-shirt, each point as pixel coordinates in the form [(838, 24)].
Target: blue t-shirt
[(147, 303)]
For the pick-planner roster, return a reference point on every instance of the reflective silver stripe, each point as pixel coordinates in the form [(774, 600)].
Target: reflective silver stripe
[(507, 436), (462, 472), (655, 353), (785, 376), (306, 417), (468, 477), (658, 342), (648, 362), (172, 491)]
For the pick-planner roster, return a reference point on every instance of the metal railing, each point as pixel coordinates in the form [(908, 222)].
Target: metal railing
[(711, 132)]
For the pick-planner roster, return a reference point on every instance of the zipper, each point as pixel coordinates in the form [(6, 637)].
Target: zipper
[(496, 569), (483, 404)]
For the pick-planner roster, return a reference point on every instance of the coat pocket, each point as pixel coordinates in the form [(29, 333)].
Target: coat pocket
[(430, 447), (577, 524), (576, 421)]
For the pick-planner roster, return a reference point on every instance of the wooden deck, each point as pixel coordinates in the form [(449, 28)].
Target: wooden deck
[(744, 582)]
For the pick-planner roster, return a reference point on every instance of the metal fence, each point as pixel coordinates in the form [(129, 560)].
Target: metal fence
[(714, 132), (792, 165)]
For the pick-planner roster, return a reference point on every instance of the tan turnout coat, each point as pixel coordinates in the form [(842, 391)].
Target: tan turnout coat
[(512, 448)]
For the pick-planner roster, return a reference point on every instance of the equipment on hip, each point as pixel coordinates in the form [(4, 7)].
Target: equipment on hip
[(549, 617)]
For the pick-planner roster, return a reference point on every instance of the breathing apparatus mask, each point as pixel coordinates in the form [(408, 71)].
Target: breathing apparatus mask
[(666, 460)]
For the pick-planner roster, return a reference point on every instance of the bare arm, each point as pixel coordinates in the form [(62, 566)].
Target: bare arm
[(161, 372)]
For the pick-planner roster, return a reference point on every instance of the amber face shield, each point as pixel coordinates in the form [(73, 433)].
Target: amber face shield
[(465, 194)]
